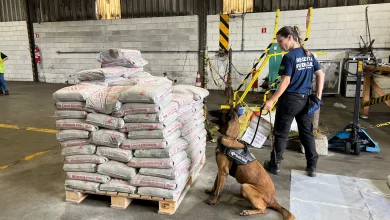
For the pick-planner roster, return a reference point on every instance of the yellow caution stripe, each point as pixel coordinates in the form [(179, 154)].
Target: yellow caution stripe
[(44, 130), (377, 100), (224, 32), (26, 158)]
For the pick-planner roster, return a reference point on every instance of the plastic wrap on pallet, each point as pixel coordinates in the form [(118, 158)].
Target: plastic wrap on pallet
[(174, 173), (146, 93), (118, 185), (82, 167), (144, 108), (105, 121), (174, 147), (72, 106), (68, 114), (78, 150), (78, 124), (115, 154), (66, 135), (109, 138), (75, 93), (139, 144), (165, 193), (117, 170), (158, 162), (86, 159), (72, 143), (83, 185), (91, 177), (155, 134)]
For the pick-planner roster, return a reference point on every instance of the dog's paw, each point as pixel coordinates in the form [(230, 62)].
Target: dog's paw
[(209, 191), (245, 213), (212, 202)]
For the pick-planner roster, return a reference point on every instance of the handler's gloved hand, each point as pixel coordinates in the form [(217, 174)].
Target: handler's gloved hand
[(314, 104)]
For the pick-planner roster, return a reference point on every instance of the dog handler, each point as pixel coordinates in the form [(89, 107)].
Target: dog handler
[(297, 69)]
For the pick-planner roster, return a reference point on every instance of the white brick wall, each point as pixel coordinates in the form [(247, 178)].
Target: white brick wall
[(144, 34), (332, 28), (14, 43)]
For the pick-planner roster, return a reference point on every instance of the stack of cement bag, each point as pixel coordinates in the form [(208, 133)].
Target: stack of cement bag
[(90, 141), (191, 115), (117, 65), (153, 129)]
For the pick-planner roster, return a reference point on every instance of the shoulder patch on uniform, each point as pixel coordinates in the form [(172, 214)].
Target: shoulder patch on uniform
[(281, 67)]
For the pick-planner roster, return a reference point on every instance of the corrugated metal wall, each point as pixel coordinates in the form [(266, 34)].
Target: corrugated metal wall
[(70, 10)]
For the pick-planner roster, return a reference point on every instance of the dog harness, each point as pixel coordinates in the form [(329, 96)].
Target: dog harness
[(238, 156)]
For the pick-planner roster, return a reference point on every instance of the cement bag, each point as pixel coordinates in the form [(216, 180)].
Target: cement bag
[(118, 185), (78, 92), (174, 173), (66, 114), (142, 126), (162, 163), (91, 177), (185, 119), (107, 138), (155, 134), (144, 108), (73, 106), (193, 154), (121, 57), (83, 167), (66, 135), (72, 143), (86, 159), (78, 150), (139, 118), (198, 107), (182, 99), (117, 170), (72, 124), (176, 146), (106, 100), (139, 75), (165, 193), (150, 143), (105, 121), (105, 82), (200, 141), (188, 128), (102, 73), (151, 181), (197, 92), (146, 93), (200, 131), (199, 114), (115, 154), (185, 110), (84, 185), (147, 80)]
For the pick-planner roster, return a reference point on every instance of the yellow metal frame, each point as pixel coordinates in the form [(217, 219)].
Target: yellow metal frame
[(267, 57)]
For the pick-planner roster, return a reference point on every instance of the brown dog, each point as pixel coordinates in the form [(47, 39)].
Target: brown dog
[(257, 186)]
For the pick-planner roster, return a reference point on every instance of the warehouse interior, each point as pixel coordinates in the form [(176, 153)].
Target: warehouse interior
[(215, 45)]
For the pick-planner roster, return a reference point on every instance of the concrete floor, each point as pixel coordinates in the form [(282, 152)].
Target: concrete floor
[(35, 189)]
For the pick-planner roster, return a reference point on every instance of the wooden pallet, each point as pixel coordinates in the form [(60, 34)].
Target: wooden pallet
[(122, 200)]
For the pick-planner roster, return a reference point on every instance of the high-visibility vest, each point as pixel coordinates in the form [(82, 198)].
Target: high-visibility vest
[(1, 65)]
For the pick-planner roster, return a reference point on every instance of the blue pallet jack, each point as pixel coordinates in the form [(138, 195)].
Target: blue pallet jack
[(352, 136)]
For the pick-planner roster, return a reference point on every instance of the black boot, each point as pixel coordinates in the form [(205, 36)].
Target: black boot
[(6, 92), (311, 171), (272, 167), (1, 92)]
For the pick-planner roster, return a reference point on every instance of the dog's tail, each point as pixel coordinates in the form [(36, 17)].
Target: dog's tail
[(285, 213)]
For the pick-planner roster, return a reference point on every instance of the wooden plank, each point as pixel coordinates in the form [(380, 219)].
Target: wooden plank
[(75, 197), (119, 202), (379, 91), (146, 197), (275, 4), (134, 196), (293, 5), (366, 93), (123, 194), (112, 193), (258, 6)]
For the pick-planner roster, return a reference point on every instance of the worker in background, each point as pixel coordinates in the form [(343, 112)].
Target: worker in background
[(297, 69), (3, 84)]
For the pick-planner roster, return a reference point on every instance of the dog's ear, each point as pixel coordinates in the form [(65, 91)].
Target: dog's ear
[(237, 108)]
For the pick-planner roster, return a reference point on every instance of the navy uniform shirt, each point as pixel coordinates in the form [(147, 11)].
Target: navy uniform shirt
[(300, 68)]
